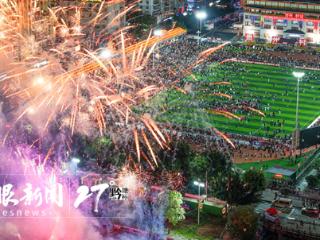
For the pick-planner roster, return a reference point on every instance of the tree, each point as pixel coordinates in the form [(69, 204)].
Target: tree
[(234, 187), (102, 149), (199, 165), (178, 158), (243, 222), (211, 162), (316, 166), (228, 186), (175, 212), (312, 181), (218, 162), (254, 180)]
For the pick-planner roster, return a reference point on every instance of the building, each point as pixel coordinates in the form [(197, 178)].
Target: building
[(282, 20), (158, 8), (89, 8), (111, 14)]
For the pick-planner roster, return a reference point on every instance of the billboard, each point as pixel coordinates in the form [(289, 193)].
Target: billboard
[(309, 137)]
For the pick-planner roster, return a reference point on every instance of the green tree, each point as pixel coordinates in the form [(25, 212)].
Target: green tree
[(178, 158), (175, 212), (211, 162), (243, 222), (217, 161), (313, 181), (105, 152), (199, 165), (228, 186), (316, 166), (235, 191), (254, 180)]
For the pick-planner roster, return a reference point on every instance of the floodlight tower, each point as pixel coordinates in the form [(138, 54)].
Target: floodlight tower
[(157, 33), (200, 15), (298, 76)]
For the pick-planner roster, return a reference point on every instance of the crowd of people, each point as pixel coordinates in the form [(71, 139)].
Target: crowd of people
[(176, 59), (285, 56)]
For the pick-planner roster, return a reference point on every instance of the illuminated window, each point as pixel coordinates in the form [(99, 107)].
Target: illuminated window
[(267, 20)]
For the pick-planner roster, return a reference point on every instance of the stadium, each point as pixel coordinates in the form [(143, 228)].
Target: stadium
[(253, 102), (119, 120)]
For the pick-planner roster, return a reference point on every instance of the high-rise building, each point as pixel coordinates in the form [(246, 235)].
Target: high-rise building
[(109, 12), (24, 8), (158, 8), (275, 20)]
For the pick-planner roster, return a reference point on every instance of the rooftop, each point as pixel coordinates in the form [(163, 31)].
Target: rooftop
[(309, 6), (293, 1)]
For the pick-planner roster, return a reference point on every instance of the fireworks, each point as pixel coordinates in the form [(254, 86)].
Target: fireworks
[(223, 136), (63, 69), (59, 69), (224, 113), (222, 95), (69, 73)]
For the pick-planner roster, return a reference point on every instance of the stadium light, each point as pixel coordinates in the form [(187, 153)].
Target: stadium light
[(157, 33), (298, 75), (201, 15)]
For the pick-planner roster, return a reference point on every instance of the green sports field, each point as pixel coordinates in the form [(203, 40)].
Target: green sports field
[(271, 89)]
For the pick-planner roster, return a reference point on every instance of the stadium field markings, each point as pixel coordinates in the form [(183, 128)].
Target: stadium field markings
[(272, 88)]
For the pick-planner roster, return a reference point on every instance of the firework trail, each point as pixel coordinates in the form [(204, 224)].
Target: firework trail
[(225, 113), (58, 70), (68, 73)]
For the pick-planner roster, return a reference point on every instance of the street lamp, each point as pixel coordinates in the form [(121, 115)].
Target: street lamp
[(201, 15), (74, 165), (298, 76), (75, 160), (157, 33), (200, 185)]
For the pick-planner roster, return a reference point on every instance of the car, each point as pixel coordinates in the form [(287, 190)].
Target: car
[(282, 203), (310, 212)]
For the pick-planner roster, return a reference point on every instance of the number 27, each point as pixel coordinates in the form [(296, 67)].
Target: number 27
[(84, 193)]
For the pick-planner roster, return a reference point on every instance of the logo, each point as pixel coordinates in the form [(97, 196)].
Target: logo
[(32, 199)]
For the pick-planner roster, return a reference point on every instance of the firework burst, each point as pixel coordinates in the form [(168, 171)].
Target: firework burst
[(69, 73)]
